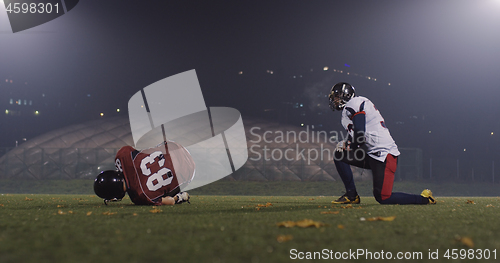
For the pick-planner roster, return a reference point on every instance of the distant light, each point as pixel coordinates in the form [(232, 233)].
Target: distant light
[(325, 68), (37, 112), (102, 114), (374, 79), (348, 73), (491, 133), (388, 84), (465, 149), (117, 110), (240, 73), (142, 106), (302, 124), (301, 105), (430, 131), (6, 111), (347, 65), (369, 77)]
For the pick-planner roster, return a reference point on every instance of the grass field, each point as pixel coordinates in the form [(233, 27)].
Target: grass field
[(80, 228)]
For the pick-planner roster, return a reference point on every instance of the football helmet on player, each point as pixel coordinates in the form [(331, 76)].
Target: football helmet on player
[(109, 185), (340, 94)]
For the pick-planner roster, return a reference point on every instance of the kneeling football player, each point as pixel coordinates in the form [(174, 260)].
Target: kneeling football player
[(148, 176), (369, 146)]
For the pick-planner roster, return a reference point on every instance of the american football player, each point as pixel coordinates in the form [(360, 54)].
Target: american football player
[(148, 176), (369, 145)]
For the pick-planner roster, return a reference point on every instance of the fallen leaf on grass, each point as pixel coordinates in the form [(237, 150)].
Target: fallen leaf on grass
[(266, 205), (89, 213), (301, 223), (1, 205), (155, 210), (339, 226), (465, 240), (490, 205), (330, 212), (60, 205), (27, 199), (470, 201), (61, 212), (350, 206), (284, 238), (286, 224), (378, 218), (109, 213)]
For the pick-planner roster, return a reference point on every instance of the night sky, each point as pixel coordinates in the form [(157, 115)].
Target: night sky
[(441, 58)]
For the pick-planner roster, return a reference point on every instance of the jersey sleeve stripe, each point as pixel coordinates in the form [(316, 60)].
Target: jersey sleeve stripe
[(361, 112)]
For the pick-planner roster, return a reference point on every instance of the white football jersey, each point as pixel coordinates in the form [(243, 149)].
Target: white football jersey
[(378, 138)]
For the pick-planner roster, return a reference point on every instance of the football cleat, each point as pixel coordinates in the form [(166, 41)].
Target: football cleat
[(428, 194), (182, 197), (347, 200)]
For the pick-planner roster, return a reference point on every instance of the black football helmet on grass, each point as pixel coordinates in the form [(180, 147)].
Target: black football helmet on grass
[(343, 92), (108, 185)]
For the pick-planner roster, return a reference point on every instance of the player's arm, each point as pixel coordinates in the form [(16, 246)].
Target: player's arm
[(168, 200), (359, 128), (179, 198)]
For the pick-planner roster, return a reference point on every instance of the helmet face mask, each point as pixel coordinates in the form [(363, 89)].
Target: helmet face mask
[(340, 94), (109, 185)]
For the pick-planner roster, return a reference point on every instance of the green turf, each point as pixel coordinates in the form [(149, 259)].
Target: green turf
[(79, 228), (266, 188)]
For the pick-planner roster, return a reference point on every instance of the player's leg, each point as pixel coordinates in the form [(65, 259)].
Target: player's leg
[(342, 161), (383, 180)]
